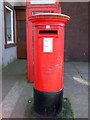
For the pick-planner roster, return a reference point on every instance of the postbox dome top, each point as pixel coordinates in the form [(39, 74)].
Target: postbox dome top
[(49, 16)]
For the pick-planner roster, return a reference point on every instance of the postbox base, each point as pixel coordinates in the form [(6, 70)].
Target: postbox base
[(48, 103)]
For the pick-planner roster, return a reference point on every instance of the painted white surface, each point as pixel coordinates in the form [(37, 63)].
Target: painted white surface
[(20, 2), (1, 19), (42, 1), (1, 32), (8, 54), (48, 45), (11, 2), (1, 5)]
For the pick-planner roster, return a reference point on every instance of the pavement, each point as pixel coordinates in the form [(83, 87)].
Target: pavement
[(16, 91)]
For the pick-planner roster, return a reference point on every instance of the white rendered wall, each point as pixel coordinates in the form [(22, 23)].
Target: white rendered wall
[(1, 36), (8, 54)]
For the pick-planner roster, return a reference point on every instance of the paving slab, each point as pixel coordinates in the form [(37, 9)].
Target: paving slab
[(20, 106), (81, 67), (69, 68), (14, 72), (85, 76), (78, 94)]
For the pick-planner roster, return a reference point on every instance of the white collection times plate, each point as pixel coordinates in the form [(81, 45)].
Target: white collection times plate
[(47, 44), (42, 1)]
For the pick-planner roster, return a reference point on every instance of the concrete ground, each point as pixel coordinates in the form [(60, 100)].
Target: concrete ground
[(16, 91)]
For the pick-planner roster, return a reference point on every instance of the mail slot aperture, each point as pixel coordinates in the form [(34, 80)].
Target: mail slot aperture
[(48, 32)]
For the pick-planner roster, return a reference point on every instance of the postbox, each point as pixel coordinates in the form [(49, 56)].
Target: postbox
[(48, 62)]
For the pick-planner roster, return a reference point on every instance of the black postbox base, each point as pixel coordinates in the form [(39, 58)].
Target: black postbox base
[(48, 103)]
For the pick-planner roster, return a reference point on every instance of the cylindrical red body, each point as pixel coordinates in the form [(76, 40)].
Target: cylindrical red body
[(48, 59), (49, 65)]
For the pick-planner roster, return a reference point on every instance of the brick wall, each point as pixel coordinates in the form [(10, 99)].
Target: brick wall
[(76, 35)]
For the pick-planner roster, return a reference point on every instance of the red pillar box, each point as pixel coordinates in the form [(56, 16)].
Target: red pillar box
[(34, 7), (48, 62)]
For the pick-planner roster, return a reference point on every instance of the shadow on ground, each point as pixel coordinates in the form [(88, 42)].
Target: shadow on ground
[(65, 113)]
